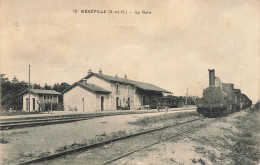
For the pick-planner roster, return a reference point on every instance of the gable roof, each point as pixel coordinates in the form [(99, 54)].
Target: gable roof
[(142, 85), (41, 91), (90, 87)]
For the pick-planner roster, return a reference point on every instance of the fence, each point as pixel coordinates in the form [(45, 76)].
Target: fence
[(51, 106)]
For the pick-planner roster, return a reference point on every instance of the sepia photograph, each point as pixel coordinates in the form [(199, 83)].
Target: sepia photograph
[(130, 82)]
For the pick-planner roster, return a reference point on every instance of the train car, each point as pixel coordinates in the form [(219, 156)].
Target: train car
[(256, 107), (220, 98), (245, 101), (167, 101), (237, 99)]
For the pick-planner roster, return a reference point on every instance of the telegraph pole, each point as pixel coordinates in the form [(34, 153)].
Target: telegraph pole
[(187, 98), (29, 87), (83, 103), (240, 78), (1, 91), (240, 101)]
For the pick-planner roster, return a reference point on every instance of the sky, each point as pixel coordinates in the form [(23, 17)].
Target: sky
[(173, 47)]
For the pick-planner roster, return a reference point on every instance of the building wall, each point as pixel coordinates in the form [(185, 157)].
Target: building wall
[(106, 102), (97, 81), (54, 99), (138, 101), (73, 99), (39, 99), (125, 92), (32, 96)]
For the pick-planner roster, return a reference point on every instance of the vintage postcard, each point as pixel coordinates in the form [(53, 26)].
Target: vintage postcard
[(129, 81)]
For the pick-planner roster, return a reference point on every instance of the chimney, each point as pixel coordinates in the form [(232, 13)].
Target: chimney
[(89, 71), (116, 76), (85, 81), (125, 77), (100, 71), (211, 77)]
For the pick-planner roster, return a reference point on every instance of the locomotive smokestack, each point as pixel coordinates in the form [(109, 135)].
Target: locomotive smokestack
[(211, 77)]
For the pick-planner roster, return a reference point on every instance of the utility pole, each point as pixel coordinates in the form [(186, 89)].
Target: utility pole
[(1, 91), (29, 87), (187, 98), (83, 103), (240, 101)]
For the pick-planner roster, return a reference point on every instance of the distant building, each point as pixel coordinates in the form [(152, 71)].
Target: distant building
[(98, 92), (38, 99)]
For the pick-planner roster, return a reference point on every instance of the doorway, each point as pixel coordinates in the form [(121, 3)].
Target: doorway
[(33, 103), (27, 104), (128, 103), (144, 103), (118, 105), (102, 103)]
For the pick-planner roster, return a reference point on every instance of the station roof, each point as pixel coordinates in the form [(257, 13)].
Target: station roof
[(41, 91), (141, 85), (88, 86)]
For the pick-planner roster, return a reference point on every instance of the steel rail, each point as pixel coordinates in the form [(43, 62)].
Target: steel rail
[(99, 144), (49, 121), (152, 144), (40, 121)]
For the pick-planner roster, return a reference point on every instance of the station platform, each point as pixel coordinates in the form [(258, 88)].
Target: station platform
[(102, 113)]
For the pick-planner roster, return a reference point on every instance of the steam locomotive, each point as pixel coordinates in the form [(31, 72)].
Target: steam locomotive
[(221, 98)]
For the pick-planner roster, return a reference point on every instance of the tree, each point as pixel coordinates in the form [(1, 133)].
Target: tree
[(47, 87), (15, 80), (37, 86), (10, 90), (60, 88)]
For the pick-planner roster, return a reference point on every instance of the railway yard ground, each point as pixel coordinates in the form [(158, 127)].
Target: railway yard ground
[(232, 139), (23, 144), (228, 140)]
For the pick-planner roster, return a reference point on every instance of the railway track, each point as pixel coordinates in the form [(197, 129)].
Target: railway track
[(100, 144), (40, 121), (152, 144)]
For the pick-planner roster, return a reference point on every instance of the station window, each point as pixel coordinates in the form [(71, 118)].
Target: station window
[(44, 97), (117, 88)]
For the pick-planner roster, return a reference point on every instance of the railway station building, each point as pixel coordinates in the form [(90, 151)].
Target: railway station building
[(39, 99), (98, 92)]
